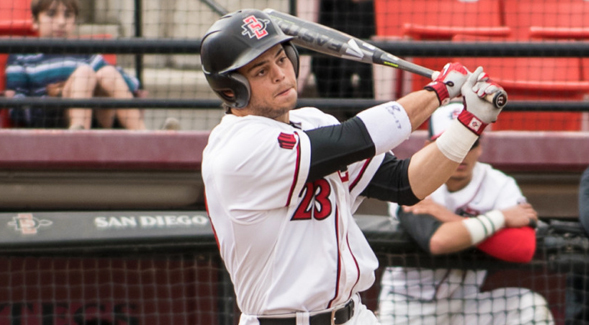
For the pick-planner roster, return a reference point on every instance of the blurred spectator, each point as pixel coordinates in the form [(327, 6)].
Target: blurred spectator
[(67, 76), (469, 210), (335, 77)]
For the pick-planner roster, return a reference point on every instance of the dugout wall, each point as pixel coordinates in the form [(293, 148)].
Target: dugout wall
[(162, 267)]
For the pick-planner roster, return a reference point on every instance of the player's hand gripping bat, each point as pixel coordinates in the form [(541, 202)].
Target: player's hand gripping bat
[(332, 42)]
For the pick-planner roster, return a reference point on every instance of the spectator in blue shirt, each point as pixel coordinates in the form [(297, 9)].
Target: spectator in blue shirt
[(67, 76)]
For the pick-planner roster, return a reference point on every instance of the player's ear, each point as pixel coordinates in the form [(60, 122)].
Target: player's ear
[(229, 93)]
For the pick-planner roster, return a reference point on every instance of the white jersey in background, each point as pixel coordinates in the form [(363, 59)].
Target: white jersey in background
[(452, 296), (488, 190)]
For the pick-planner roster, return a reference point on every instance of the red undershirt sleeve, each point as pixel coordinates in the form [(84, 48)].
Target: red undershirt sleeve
[(511, 244)]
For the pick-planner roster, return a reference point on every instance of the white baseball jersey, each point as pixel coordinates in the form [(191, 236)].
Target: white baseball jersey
[(287, 244), (488, 190)]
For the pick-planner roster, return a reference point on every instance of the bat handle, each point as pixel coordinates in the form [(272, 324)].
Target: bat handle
[(498, 99)]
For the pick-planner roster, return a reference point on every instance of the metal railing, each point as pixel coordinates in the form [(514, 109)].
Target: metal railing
[(142, 46)]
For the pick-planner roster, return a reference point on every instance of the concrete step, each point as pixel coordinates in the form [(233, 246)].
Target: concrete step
[(94, 29), (175, 83)]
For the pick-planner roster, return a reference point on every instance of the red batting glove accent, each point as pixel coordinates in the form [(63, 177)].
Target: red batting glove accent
[(472, 122), (441, 91), (511, 244), (448, 82)]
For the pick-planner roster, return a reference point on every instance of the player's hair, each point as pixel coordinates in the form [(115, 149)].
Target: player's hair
[(38, 6), (234, 41)]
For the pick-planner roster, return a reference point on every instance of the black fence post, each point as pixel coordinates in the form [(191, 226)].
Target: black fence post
[(292, 7), (139, 34)]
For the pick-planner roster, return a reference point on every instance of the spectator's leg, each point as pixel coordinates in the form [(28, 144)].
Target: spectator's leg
[(131, 119), (112, 84), (80, 84)]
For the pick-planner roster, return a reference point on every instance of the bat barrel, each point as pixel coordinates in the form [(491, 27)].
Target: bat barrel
[(332, 42)]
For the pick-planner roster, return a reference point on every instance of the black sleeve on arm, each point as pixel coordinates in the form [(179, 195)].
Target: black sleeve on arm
[(421, 227), (391, 182), (584, 200), (336, 146)]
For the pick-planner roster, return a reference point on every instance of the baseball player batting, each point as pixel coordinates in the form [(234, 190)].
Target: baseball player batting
[(439, 224), (282, 183)]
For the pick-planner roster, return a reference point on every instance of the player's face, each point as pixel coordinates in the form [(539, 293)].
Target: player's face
[(57, 21), (273, 85)]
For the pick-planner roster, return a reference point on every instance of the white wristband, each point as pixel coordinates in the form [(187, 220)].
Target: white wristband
[(484, 225), (387, 124), (456, 141)]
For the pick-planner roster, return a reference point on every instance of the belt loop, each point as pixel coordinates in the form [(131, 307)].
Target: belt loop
[(302, 318)]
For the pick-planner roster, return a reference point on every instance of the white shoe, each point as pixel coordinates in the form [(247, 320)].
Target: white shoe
[(77, 127), (171, 124)]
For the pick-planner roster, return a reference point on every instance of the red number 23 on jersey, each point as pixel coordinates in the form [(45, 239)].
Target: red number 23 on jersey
[(315, 203)]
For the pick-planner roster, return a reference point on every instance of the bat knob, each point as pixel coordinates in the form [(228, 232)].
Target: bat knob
[(500, 99)]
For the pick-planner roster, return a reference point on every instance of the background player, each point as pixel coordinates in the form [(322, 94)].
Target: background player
[(282, 184), (439, 224)]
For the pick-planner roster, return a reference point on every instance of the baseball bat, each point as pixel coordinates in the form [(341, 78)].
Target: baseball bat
[(332, 42)]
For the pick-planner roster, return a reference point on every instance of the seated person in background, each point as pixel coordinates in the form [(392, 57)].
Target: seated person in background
[(67, 76), (468, 210)]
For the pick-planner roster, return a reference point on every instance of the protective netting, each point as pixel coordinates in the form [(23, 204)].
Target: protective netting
[(184, 282)]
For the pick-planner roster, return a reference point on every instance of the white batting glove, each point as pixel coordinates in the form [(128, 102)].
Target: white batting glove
[(478, 112), (485, 86), (448, 82)]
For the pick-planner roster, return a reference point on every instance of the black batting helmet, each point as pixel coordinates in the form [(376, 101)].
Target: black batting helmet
[(234, 41)]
